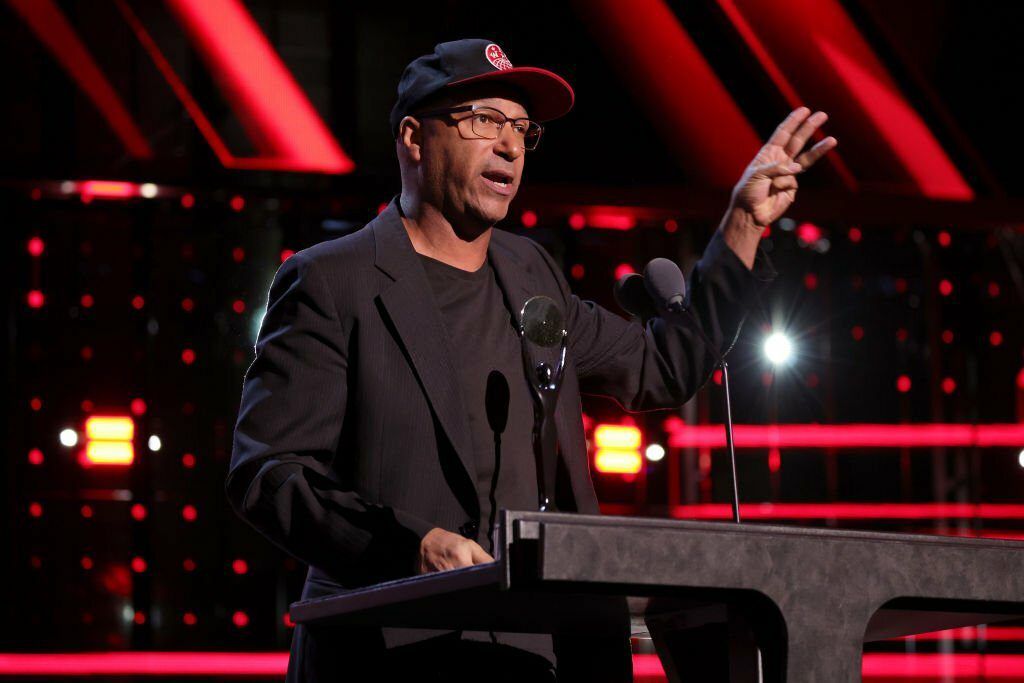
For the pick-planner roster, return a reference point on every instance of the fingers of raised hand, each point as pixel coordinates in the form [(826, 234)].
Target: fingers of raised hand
[(804, 132), (788, 127), (819, 150), (785, 182), (782, 168)]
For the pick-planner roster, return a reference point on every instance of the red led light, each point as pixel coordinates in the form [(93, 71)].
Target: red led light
[(35, 299), (611, 218), (238, 254), (286, 254), (993, 289), (716, 377), (87, 562), (86, 511), (903, 384), (996, 338), (901, 285), (187, 201), (623, 269), (774, 460), (1020, 379), (945, 239), (36, 404), (811, 281), (577, 271), (767, 232), (86, 353), (949, 385), (36, 194), (35, 509), (107, 189), (240, 619), (36, 246), (381, 208), (189, 564), (901, 334), (87, 301), (577, 221), (671, 225), (138, 565), (138, 302), (139, 618), (808, 233), (35, 457), (189, 619), (529, 219), (188, 461), (86, 406), (855, 235), (237, 203), (138, 406), (857, 332), (947, 336), (238, 306), (188, 356), (945, 287), (188, 513), (138, 512), (187, 305), (287, 619), (240, 566)]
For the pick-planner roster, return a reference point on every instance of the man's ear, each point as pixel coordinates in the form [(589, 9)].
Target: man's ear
[(410, 136)]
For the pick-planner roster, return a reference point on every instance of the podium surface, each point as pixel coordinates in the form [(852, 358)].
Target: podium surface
[(808, 598)]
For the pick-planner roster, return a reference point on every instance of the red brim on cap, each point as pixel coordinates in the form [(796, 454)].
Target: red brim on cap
[(550, 95)]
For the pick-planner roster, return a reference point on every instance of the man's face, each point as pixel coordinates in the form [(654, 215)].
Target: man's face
[(473, 179)]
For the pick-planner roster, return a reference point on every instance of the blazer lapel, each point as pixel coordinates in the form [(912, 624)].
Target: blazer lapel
[(409, 302)]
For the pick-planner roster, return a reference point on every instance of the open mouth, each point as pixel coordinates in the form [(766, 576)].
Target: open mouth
[(499, 181)]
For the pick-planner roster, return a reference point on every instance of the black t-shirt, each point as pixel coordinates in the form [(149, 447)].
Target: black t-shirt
[(487, 355)]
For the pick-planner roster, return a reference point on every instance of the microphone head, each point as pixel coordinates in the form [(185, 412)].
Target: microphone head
[(632, 296), (665, 283)]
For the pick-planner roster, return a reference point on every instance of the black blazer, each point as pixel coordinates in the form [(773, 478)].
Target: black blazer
[(352, 440)]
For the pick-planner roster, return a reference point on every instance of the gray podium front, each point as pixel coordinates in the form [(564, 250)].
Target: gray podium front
[(721, 601)]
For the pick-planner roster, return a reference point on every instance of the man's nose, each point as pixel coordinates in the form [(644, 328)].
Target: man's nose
[(509, 145)]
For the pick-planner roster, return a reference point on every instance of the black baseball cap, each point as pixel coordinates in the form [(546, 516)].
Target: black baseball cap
[(475, 60)]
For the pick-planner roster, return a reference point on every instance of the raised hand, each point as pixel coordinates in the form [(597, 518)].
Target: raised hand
[(768, 186)]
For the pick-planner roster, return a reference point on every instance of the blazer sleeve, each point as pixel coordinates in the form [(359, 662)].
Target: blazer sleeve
[(287, 434), (662, 363)]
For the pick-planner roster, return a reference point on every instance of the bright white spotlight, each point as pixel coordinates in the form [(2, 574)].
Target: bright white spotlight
[(778, 348), (154, 443), (148, 190), (655, 452), (68, 437), (1020, 459)]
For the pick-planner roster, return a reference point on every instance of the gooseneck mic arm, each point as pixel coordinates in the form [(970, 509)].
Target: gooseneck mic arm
[(667, 288)]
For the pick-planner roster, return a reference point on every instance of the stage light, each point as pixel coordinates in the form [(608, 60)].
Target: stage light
[(109, 428), (36, 246), (903, 384), (529, 219), (577, 221), (138, 406), (138, 512), (577, 271), (148, 190), (778, 348), (68, 437), (35, 457), (109, 441), (240, 619), (154, 443), (188, 201), (671, 226), (1020, 458), (237, 203), (655, 452), (623, 269), (617, 436), (35, 299), (286, 254), (618, 449)]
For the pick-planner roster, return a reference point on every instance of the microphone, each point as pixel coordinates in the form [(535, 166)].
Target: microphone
[(667, 287), (631, 295)]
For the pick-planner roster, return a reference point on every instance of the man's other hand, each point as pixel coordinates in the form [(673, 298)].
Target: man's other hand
[(441, 550)]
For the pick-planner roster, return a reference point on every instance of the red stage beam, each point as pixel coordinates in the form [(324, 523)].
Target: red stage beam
[(847, 435), (273, 109), (684, 99), (850, 511), (53, 30), (812, 46)]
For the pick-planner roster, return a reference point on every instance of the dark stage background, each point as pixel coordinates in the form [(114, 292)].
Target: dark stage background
[(147, 205)]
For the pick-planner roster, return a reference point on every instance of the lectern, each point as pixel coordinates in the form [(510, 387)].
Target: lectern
[(720, 601)]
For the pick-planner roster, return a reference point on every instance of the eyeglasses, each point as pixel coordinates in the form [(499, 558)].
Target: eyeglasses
[(487, 122)]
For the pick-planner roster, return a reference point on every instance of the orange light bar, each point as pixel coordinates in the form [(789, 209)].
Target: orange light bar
[(618, 461), (107, 428), (622, 437), (111, 189), (109, 453)]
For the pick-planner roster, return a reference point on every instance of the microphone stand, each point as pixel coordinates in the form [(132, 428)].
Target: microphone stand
[(680, 310)]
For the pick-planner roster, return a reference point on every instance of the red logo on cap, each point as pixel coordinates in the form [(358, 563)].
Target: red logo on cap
[(497, 57)]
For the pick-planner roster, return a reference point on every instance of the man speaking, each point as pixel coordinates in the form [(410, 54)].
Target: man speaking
[(387, 415)]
